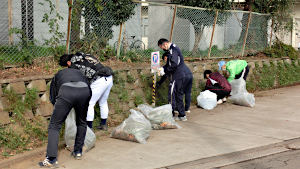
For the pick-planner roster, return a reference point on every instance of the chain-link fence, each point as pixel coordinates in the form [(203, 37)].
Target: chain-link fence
[(39, 29), (32, 29)]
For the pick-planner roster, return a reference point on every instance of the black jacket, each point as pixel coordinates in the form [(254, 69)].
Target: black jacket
[(64, 76)]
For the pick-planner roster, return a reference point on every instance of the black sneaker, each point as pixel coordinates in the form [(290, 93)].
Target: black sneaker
[(102, 127), (48, 164), (77, 155)]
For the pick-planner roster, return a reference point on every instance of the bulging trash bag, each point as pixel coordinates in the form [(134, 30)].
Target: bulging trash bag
[(160, 117), (135, 128), (237, 86), (243, 98), (239, 93), (70, 134), (207, 100)]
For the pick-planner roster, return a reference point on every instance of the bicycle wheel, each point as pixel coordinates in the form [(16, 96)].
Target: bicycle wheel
[(139, 45), (122, 48)]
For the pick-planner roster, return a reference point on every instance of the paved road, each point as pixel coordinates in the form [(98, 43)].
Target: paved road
[(225, 135), (285, 160)]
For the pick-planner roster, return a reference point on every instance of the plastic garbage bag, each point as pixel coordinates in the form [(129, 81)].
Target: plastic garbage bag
[(135, 128), (207, 100), (159, 117), (239, 93), (243, 99), (70, 134)]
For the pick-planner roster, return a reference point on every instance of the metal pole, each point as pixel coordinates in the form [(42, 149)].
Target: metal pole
[(10, 21), (69, 27), (173, 21), (212, 35), (153, 91), (246, 34), (119, 41)]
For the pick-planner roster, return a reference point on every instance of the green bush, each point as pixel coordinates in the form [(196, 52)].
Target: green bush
[(280, 49)]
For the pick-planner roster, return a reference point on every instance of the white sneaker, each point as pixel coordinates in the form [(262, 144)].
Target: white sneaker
[(224, 99), (220, 101), (188, 111)]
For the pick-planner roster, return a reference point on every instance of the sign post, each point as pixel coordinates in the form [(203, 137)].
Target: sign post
[(154, 68)]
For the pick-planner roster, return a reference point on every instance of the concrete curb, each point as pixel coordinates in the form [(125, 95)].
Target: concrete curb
[(235, 157)]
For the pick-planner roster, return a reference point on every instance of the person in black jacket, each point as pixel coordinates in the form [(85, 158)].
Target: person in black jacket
[(187, 84), (175, 67), (101, 82), (69, 89)]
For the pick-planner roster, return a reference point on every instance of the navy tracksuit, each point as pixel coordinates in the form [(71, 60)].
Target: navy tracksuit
[(175, 67)]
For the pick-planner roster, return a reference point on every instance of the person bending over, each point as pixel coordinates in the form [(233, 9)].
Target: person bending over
[(218, 84), (101, 82), (69, 89), (235, 69)]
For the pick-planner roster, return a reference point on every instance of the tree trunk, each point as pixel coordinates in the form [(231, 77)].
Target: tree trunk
[(247, 7), (75, 27), (198, 36)]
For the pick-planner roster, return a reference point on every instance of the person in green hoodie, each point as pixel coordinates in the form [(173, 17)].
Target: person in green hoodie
[(235, 69)]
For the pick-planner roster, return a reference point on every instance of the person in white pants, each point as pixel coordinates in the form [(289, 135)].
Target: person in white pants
[(101, 81), (100, 91)]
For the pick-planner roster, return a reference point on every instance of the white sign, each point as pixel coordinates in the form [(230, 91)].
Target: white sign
[(154, 62)]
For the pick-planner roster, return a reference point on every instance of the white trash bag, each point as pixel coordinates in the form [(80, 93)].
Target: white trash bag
[(70, 134), (160, 117), (239, 93), (135, 128), (207, 100)]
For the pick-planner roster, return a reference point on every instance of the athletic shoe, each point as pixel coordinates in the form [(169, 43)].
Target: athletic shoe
[(102, 127), (77, 155), (188, 111), (224, 99), (219, 101), (181, 118), (48, 164)]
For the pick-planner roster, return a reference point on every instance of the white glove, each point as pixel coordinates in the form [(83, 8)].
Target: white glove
[(160, 71)]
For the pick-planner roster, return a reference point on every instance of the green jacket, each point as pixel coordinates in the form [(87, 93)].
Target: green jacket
[(235, 67)]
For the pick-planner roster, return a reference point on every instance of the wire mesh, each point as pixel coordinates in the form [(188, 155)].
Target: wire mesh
[(31, 29), (38, 29)]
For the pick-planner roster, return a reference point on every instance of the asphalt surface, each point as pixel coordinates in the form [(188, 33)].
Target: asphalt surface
[(226, 135)]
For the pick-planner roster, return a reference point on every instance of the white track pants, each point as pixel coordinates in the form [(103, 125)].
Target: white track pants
[(100, 92)]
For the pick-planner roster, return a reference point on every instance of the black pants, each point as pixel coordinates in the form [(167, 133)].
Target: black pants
[(175, 96), (218, 90), (245, 74), (68, 97), (187, 90)]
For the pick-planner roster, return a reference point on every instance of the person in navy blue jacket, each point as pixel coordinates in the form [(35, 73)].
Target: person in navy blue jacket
[(175, 68), (187, 84)]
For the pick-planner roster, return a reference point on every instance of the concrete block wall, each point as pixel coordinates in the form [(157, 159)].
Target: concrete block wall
[(20, 85), (134, 88)]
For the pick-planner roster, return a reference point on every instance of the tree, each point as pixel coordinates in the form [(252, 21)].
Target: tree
[(202, 18), (100, 16)]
